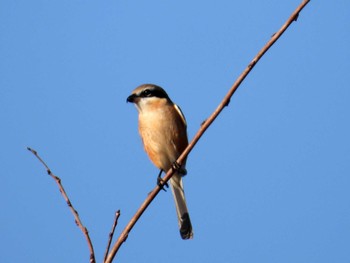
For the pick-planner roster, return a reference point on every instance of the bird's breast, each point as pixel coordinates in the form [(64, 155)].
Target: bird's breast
[(162, 135)]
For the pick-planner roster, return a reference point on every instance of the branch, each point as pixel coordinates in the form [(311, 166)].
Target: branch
[(117, 214), (225, 102), (69, 203)]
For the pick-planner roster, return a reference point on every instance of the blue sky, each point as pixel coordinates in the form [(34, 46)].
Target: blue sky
[(268, 182)]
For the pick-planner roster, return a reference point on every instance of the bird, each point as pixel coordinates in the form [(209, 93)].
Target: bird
[(163, 130)]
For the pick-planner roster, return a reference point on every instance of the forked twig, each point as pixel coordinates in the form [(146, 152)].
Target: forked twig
[(117, 214), (69, 203), (225, 102)]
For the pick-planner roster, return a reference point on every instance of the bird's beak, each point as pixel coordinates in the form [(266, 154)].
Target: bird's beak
[(131, 98)]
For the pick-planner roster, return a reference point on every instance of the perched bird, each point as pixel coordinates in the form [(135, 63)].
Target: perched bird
[(162, 127)]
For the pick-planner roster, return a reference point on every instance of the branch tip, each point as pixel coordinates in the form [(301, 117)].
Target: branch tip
[(32, 151)]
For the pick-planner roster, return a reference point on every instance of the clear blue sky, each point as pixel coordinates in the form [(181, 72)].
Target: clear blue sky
[(269, 181)]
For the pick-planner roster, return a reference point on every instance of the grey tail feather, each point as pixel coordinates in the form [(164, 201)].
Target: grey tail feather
[(181, 207)]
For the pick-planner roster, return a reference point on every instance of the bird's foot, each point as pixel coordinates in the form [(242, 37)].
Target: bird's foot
[(177, 167), (160, 182)]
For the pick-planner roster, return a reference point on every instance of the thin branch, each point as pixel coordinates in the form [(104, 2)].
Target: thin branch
[(225, 102), (69, 203), (117, 214)]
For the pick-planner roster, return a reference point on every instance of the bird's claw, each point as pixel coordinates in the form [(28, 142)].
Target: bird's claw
[(177, 167), (161, 183)]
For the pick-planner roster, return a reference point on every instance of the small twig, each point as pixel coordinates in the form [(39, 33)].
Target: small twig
[(117, 214), (202, 129), (69, 203), (123, 236)]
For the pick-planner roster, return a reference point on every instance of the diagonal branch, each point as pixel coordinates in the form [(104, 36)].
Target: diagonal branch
[(225, 102), (69, 203)]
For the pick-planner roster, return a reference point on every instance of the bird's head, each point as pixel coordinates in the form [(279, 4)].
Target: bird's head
[(148, 95)]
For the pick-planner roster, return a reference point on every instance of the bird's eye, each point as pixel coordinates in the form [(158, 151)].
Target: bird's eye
[(146, 93)]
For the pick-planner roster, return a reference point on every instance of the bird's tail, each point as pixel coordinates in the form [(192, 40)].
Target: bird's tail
[(181, 207)]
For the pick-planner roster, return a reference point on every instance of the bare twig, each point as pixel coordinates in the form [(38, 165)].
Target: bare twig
[(117, 214), (225, 102), (69, 203)]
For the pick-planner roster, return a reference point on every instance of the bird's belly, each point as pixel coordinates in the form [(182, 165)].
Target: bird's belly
[(156, 136)]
